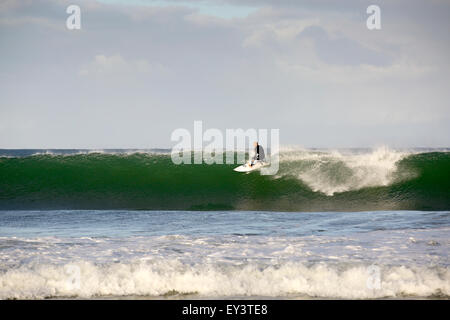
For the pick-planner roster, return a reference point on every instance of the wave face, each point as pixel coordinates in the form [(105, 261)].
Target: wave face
[(308, 180)]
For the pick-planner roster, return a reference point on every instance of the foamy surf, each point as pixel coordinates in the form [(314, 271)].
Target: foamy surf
[(336, 171), (163, 277), (316, 255)]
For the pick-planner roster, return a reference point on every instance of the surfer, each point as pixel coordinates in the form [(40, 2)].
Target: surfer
[(258, 154)]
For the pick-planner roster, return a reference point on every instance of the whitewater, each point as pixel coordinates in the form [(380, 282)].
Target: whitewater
[(187, 254)]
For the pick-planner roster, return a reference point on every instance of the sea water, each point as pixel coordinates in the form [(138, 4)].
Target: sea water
[(225, 254)]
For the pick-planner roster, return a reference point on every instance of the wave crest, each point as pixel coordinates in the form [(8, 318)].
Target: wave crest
[(308, 180), (332, 172)]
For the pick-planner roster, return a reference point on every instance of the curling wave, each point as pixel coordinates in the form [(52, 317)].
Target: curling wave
[(308, 180)]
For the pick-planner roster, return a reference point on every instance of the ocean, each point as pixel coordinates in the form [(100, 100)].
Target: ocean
[(357, 223)]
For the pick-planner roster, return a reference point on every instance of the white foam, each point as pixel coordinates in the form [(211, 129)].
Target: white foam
[(157, 277), (334, 171), (318, 266)]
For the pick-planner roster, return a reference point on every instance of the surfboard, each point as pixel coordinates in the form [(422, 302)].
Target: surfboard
[(247, 168)]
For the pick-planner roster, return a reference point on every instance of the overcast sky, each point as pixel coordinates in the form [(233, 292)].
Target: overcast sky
[(139, 69)]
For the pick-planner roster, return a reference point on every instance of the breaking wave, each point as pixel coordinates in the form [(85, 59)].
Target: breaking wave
[(308, 180)]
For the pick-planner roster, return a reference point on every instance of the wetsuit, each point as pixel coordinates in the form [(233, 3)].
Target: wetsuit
[(258, 154)]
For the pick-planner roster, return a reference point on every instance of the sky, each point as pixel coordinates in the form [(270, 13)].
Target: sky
[(138, 70)]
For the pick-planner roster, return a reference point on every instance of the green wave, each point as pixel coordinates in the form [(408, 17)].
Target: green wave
[(152, 181)]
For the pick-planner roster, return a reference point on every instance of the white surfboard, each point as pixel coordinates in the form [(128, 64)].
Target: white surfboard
[(247, 168)]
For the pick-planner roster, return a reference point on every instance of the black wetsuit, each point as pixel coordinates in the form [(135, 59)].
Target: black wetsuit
[(258, 154)]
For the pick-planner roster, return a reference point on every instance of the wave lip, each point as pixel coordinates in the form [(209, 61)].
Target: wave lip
[(333, 172)]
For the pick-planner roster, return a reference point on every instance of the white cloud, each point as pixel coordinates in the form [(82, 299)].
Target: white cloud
[(117, 65), (279, 31), (354, 75), (172, 65)]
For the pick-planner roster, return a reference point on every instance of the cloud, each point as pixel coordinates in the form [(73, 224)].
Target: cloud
[(342, 50), (117, 65), (220, 9), (275, 32), (310, 68)]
